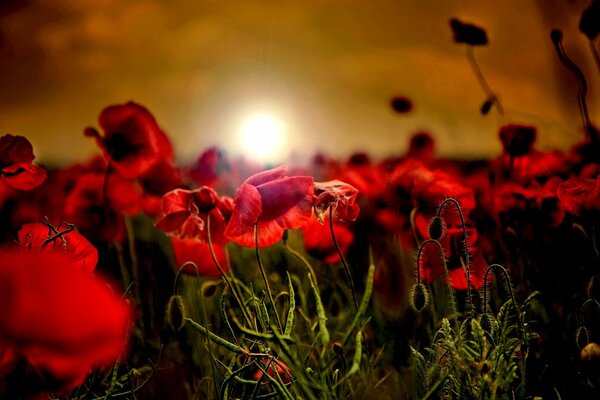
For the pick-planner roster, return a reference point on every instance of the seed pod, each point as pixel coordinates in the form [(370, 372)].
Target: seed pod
[(436, 228), (419, 297), (582, 337), (176, 313)]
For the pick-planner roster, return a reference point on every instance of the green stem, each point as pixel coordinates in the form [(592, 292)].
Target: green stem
[(510, 291), (228, 282), (466, 247), (342, 258), (264, 276)]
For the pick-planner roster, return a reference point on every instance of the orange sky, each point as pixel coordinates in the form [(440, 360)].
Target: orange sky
[(328, 68)]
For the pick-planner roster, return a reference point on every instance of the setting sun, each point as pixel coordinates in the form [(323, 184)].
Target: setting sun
[(263, 137)]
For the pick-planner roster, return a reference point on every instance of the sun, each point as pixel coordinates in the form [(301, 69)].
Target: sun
[(263, 137)]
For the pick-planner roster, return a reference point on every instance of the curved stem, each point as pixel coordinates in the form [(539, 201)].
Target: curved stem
[(466, 246), (342, 258), (223, 274), (595, 54), (264, 276), (510, 291), (482, 81), (583, 308), (443, 258), (556, 36)]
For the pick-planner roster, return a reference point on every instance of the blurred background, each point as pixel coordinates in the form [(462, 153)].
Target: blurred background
[(320, 72)]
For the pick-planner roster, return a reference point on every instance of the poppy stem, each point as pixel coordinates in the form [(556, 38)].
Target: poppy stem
[(228, 282), (510, 291), (482, 81), (595, 54), (556, 36), (342, 258), (467, 265), (264, 276), (584, 307), (425, 243)]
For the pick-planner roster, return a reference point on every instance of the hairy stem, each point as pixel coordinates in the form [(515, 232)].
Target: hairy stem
[(342, 258), (264, 276)]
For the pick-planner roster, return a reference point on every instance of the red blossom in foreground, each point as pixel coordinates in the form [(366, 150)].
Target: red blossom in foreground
[(318, 242), (199, 253), (36, 238), (185, 211), (338, 195), (57, 321), (580, 195), (16, 168), (132, 142), (274, 202)]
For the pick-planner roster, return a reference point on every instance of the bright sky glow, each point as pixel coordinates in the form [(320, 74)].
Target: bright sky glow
[(263, 137)]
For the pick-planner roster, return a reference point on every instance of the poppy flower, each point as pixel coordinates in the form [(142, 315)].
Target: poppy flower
[(192, 250), (58, 321), (517, 140), (184, 214), (338, 195), (132, 142), (36, 237), (208, 168), (318, 242), (421, 147), (468, 33), (16, 168), (273, 367), (273, 201), (158, 180), (87, 209), (589, 24), (580, 195)]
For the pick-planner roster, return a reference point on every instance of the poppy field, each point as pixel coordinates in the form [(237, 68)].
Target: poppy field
[(136, 276)]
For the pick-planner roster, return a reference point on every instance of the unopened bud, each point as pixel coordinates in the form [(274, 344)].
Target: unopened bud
[(419, 297), (436, 228), (176, 313)]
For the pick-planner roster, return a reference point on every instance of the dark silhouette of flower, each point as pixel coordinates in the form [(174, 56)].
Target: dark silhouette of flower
[(16, 168), (318, 242), (273, 201), (184, 214), (199, 253), (132, 142), (42, 238), (338, 195), (401, 104), (58, 320), (589, 24), (517, 140), (468, 33)]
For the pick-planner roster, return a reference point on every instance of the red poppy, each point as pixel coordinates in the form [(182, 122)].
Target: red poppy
[(158, 180), (468, 33), (199, 253), (184, 214), (132, 142), (34, 237), (580, 195), (421, 147), (208, 167), (274, 202), (16, 169), (58, 321), (517, 140), (318, 242), (271, 367), (338, 195), (87, 209)]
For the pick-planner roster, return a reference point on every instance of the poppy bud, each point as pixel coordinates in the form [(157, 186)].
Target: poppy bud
[(582, 337), (487, 323), (436, 228), (176, 313), (419, 297), (487, 105), (589, 24), (205, 199), (401, 104)]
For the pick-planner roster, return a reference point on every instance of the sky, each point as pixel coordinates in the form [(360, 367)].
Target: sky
[(326, 68)]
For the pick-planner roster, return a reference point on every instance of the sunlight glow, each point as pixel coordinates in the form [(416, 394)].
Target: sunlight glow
[(263, 137)]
